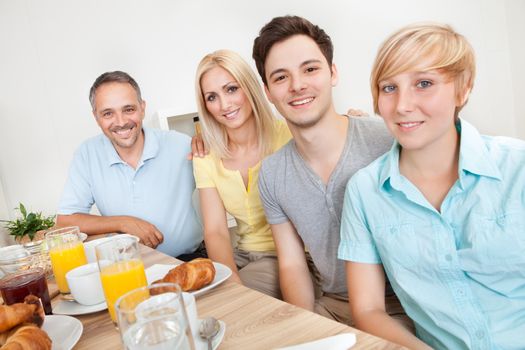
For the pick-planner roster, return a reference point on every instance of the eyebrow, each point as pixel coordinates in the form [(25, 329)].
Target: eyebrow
[(222, 87), (305, 63)]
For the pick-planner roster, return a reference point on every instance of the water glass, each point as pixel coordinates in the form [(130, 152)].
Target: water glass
[(154, 318), (66, 252), (121, 269)]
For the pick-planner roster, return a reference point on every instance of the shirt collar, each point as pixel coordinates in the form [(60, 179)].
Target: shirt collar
[(151, 148), (473, 158)]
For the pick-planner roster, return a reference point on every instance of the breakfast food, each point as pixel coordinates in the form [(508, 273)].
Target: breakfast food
[(19, 326), (191, 275), (28, 337)]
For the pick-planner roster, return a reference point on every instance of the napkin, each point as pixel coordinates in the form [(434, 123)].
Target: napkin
[(337, 342)]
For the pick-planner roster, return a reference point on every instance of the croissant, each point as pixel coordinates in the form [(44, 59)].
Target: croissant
[(191, 275), (12, 315), (39, 314), (28, 337)]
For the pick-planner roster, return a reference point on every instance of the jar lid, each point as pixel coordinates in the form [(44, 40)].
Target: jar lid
[(12, 253)]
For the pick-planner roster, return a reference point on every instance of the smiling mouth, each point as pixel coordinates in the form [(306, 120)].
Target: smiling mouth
[(302, 102), (124, 131), (231, 114), (409, 125)]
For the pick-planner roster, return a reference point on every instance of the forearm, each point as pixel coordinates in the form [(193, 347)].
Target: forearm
[(219, 249), (297, 287), (93, 224), (379, 323)]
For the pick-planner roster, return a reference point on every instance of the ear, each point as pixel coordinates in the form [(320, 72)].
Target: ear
[(268, 95), (335, 75), (143, 106), (462, 97)]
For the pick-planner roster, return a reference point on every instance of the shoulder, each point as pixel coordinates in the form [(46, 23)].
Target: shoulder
[(281, 134), (94, 146), (369, 176), (278, 159), (506, 151), (372, 125)]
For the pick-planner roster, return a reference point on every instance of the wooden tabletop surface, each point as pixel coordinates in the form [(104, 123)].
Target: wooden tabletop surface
[(253, 320)]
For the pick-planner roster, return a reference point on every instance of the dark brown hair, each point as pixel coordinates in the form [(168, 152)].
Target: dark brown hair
[(113, 77), (282, 28)]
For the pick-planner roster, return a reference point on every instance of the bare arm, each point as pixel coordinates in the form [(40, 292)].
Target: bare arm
[(216, 233), (366, 292), (95, 224), (296, 284)]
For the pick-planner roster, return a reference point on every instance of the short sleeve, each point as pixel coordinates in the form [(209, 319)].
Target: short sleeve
[(274, 213), (77, 196), (357, 243), (203, 172)]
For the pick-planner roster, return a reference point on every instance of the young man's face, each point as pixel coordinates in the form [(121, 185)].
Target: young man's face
[(299, 80), (119, 114)]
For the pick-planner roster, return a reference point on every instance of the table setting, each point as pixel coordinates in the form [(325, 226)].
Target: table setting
[(112, 292)]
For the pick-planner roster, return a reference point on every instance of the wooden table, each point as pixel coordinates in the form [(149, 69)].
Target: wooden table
[(253, 320)]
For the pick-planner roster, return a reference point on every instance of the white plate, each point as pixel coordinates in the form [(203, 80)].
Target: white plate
[(66, 307), (158, 271), (202, 344), (64, 331)]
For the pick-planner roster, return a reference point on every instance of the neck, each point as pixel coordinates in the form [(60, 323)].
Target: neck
[(131, 155), (324, 140), (436, 162), (243, 138)]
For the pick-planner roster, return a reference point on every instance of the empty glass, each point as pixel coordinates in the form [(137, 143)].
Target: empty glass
[(154, 318)]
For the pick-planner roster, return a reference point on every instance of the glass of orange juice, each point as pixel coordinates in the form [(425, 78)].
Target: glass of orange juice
[(121, 269), (66, 252)]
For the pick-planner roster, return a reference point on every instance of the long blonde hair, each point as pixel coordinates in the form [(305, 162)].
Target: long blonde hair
[(407, 48), (215, 135)]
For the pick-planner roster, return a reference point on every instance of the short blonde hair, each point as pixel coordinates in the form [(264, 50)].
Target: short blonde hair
[(215, 135), (407, 48)]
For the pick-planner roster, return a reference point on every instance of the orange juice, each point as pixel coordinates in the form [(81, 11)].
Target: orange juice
[(66, 257), (119, 278)]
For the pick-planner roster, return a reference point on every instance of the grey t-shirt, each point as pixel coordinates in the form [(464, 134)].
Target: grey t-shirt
[(291, 191)]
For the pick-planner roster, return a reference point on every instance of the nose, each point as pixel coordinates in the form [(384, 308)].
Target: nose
[(405, 100), (119, 118), (297, 83), (225, 103)]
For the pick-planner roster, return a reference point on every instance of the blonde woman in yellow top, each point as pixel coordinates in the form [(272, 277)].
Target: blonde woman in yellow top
[(240, 130)]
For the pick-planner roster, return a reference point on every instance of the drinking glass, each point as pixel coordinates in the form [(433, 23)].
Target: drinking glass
[(66, 252), (154, 318), (121, 269)]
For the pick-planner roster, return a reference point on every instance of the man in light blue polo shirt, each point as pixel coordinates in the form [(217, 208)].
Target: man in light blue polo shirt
[(139, 178), (443, 213)]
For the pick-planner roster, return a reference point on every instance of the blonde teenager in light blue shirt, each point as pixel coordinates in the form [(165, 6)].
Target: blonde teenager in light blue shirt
[(443, 213)]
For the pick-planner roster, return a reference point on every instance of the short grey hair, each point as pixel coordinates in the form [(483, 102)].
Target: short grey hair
[(113, 77)]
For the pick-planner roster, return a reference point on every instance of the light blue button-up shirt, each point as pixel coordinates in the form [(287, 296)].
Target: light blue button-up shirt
[(159, 190), (459, 274)]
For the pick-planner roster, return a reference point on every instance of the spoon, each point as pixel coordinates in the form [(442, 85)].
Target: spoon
[(208, 329)]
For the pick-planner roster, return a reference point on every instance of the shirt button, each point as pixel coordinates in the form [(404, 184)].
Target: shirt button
[(460, 292), (448, 257), (480, 334)]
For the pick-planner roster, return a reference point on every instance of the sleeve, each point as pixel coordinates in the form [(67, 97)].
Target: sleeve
[(274, 213), (203, 172), (77, 196), (357, 243)]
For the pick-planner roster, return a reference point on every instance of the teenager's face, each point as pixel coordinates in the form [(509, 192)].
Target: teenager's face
[(418, 108), (119, 114), (299, 80), (224, 98)]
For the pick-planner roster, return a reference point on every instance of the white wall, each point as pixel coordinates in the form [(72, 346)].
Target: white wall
[(52, 50)]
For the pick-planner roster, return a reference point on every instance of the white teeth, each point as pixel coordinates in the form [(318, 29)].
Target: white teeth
[(302, 102), (409, 125), (231, 114)]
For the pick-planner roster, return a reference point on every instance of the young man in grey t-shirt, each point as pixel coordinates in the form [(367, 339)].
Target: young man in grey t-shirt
[(302, 185)]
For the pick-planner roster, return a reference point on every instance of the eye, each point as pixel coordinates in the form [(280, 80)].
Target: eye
[(210, 98), (129, 110), (232, 89), (279, 78), (387, 89), (423, 84), (107, 114), (311, 69)]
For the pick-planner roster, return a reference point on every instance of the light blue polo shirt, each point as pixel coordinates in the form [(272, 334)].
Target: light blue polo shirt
[(158, 191), (459, 274)]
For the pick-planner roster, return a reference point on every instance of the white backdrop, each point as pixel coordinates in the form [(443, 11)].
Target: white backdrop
[(52, 50)]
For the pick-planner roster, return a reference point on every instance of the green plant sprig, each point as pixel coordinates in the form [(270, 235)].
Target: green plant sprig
[(28, 224)]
